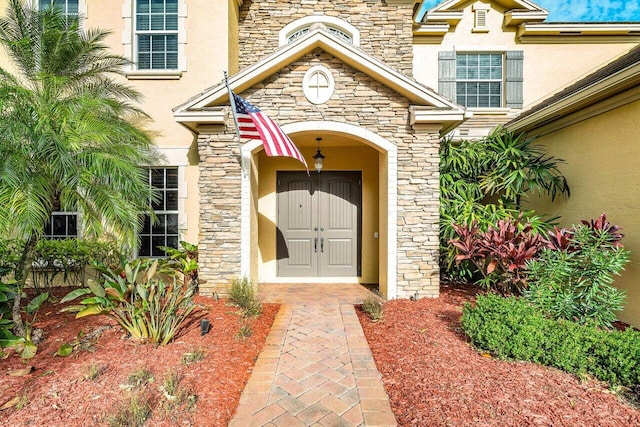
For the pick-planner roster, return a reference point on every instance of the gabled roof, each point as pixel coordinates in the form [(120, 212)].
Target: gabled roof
[(450, 11), (201, 108), (617, 77)]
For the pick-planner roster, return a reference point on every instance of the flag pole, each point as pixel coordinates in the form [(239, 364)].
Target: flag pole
[(232, 101)]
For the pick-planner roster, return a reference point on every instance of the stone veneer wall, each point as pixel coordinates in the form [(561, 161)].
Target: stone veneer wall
[(357, 100), (386, 30)]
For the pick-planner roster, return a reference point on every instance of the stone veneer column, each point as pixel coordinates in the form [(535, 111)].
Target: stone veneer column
[(418, 216), (220, 186)]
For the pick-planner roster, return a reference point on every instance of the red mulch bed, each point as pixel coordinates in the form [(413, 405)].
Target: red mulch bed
[(57, 392), (435, 378)]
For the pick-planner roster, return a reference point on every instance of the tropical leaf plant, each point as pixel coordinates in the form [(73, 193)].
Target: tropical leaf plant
[(500, 254), (147, 303)]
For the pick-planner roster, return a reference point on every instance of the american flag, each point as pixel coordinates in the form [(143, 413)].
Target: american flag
[(253, 124)]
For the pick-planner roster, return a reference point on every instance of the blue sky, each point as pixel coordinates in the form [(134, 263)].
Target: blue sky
[(584, 10)]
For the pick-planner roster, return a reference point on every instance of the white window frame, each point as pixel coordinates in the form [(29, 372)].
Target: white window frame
[(479, 80), (164, 211), (82, 10), (129, 42), (336, 26), (313, 93), (66, 235)]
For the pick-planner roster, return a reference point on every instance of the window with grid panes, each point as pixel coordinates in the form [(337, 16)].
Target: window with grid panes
[(62, 225), (165, 231), (156, 24), (69, 7), (479, 80)]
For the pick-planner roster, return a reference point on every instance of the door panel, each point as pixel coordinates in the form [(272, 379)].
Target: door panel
[(295, 249), (319, 221), (339, 210)]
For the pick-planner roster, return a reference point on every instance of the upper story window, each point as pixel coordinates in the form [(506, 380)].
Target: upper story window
[(69, 7), (491, 80), (479, 80), (165, 231), (156, 29), (337, 27)]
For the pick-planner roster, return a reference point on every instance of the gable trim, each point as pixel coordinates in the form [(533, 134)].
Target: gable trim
[(320, 38)]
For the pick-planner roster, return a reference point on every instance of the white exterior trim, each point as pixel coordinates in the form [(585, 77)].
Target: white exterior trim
[(128, 42), (364, 136), (320, 38), (312, 97), (308, 21)]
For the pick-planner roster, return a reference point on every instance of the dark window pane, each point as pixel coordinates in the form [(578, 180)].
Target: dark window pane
[(172, 61), (142, 22), (72, 7), (172, 241), (157, 22), (146, 225), (157, 5), (159, 227), (171, 22), (172, 200), (172, 6), (172, 224), (172, 178), (59, 225), (158, 205), (142, 6), (155, 242), (145, 246), (157, 178), (72, 225)]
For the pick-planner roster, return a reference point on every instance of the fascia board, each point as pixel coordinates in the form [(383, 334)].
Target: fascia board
[(359, 60), (603, 89), (548, 29), (450, 16), (450, 6), (430, 30), (517, 17), (446, 120), (191, 119)]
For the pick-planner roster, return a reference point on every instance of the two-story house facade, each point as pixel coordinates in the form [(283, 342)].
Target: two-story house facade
[(373, 85)]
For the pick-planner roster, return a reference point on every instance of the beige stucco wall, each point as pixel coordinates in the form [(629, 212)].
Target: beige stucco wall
[(208, 52), (603, 170), (548, 64), (340, 155)]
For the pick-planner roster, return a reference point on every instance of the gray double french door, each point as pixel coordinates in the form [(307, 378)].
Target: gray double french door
[(319, 224)]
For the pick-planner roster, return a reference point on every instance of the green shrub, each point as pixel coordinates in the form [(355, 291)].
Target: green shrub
[(514, 328), (373, 305), (149, 305), (574, 280), (242, 293)]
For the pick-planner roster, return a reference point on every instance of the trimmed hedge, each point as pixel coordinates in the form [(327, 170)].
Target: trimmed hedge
[(512, 328)]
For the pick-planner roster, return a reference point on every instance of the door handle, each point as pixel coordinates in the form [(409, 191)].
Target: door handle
[(322, 244), (315, 244)]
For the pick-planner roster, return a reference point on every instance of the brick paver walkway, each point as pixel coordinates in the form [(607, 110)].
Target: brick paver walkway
[(316, 368)]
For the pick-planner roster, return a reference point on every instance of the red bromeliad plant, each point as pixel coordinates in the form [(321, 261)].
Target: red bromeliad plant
[(602, 226), (500, 254)]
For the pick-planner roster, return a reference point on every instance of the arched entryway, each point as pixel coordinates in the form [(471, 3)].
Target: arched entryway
[(349, 149)]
